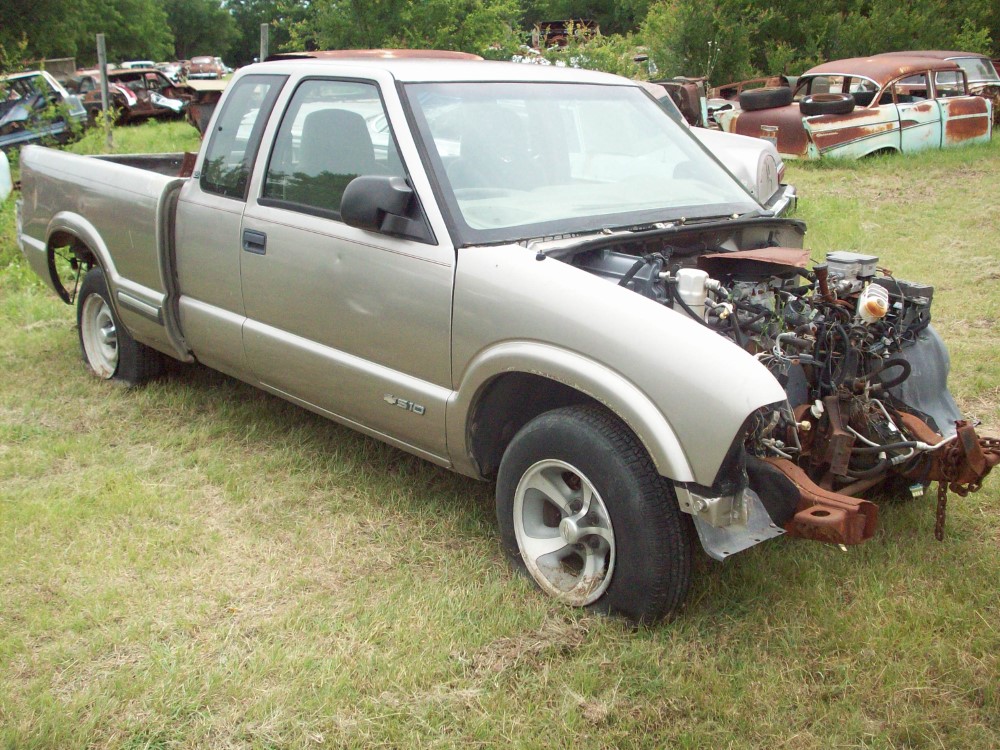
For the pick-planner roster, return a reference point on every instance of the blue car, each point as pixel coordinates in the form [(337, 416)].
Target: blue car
[(36, 108)]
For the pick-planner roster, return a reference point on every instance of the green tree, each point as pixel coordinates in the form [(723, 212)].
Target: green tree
[(613, 16), (466, 25), (248, 15), (733, 39), (200, 27), (60, 28)]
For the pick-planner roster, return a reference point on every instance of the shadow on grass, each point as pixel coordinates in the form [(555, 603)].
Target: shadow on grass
[(241, 412), (776, 576)]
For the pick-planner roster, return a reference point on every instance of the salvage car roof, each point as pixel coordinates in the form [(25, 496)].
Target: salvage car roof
[(934, 53), (881, 68)]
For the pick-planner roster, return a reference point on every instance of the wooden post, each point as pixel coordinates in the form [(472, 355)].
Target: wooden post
[(264, 29), (102, 64)]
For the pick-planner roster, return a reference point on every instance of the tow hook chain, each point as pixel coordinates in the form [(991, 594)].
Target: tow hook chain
[(942, 507), (951, 467)]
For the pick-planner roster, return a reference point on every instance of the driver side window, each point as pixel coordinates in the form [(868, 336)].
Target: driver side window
[(332, 132)]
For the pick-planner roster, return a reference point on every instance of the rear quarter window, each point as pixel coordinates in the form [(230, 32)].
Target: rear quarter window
[(235, 137)]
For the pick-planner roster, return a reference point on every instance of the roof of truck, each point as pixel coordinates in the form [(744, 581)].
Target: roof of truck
[(382, 54), (424, 69)]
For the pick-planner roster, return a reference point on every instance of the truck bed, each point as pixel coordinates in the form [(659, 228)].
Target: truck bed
[(121, 207)]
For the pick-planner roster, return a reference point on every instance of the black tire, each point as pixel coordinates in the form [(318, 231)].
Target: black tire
[(826, 104), (765, 98), (644, 571), (108, 350)]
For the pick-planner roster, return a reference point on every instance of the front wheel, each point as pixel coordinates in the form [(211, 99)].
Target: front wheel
[(583, 511), (108, 349)]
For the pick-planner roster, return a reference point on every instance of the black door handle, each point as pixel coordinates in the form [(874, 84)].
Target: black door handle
[(254, 242)]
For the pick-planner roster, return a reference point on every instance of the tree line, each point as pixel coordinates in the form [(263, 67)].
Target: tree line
[(722, 39)]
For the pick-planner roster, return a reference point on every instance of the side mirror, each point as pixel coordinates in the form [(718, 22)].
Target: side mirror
[(384, 204)]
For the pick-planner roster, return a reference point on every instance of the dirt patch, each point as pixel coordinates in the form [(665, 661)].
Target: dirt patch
[(555, 638)]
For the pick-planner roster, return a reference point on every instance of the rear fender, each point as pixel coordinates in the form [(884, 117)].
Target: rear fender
[(67, 223), (144, 311)]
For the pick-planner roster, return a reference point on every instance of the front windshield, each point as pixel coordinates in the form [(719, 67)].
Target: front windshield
[(977, 69), (522, 160)]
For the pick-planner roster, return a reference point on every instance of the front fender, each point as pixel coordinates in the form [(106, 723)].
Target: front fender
[(683, 389), (580, 373)]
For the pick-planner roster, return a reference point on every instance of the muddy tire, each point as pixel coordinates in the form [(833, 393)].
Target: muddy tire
[(826, 104), (583, 511), (108, 350), (765, 98)]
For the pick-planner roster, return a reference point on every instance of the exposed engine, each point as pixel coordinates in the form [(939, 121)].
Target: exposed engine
[(868, 404)]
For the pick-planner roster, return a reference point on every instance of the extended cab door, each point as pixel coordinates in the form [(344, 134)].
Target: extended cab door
[(209, 216), (353, 324)]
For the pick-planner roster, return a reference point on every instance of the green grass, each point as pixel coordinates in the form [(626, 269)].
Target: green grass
[(198, 564)]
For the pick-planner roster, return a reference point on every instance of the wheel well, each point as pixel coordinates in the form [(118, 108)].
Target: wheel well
[(64, 268), (508, 403), (881, 152)]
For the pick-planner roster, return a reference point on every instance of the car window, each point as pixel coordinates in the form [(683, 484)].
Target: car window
[(978, 69), (862, 89), (232, 149), (332, 132), (913, 88), (516, 161), (949, 83)]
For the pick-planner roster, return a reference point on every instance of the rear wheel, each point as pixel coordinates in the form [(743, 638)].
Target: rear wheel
[(583, 511), (109, 351)]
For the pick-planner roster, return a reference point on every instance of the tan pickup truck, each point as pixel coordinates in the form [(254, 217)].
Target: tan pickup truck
[(528, 275)]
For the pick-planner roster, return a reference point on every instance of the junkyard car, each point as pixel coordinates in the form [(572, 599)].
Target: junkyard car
[(136, 94), (862, 106), (204, 66), (980, 73), (541, 279), (175, 71), (35, 107)]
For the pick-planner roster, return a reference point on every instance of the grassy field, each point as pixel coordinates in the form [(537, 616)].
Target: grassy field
[(197, 564)]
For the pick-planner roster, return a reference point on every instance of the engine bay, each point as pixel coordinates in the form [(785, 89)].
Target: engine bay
[(853, 347)]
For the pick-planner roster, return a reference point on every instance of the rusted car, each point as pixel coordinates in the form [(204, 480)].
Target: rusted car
[(34, 107), (175, 71), (980, 72), (862, 106), (135, 94), (205, 66), (734, 89)]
